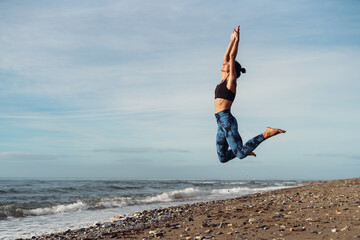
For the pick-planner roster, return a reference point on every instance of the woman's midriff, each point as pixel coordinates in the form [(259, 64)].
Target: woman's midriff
[(222, 104)]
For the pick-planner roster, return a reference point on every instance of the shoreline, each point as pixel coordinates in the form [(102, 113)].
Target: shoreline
[(317, 210)]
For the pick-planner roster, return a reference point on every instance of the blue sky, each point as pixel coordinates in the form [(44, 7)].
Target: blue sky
[(124, 89)]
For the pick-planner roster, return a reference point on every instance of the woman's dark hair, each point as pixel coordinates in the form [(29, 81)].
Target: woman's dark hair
[(239, 69)]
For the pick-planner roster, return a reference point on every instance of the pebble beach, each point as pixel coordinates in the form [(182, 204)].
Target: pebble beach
[(317, 210)]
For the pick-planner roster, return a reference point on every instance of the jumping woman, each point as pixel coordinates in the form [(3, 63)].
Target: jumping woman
[(227, 134)]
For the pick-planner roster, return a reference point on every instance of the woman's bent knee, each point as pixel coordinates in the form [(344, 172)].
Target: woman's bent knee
[(223, 160)]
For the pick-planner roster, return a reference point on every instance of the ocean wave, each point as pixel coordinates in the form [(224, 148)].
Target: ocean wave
[(113, 202), (243, 190), (182, 195), (10, 211), (18, 212), (13, 190), (62, 208), (204, 182)]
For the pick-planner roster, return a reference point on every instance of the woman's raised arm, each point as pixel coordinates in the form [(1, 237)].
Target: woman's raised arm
[(228, 50), (233, 53)]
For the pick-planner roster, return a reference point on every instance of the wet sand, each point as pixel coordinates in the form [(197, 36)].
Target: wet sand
[(318, 210)]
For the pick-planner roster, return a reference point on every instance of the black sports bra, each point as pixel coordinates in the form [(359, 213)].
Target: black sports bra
[(221, 91)]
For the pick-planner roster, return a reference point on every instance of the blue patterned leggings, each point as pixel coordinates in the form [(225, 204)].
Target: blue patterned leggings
[(228, 135)]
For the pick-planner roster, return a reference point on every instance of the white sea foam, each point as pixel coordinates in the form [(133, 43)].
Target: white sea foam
[(114, 202), (231, 183), (194, 194), (62, 208), (183, 194), (242, 190)]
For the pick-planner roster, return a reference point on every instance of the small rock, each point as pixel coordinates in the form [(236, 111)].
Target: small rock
[(334, 230), (222, 224), (343, 229), (187, 229), (208, 231), (297, 229), (252, 220), (175, 227), (356, 236), (219, 233)]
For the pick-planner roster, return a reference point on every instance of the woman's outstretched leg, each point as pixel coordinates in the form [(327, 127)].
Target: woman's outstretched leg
[(233, 138), (235, 142), (242, 151), (228, 135)]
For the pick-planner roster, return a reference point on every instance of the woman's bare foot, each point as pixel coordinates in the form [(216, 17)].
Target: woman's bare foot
[(269, 132)]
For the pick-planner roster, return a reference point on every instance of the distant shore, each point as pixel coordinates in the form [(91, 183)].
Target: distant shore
[(318, 210)]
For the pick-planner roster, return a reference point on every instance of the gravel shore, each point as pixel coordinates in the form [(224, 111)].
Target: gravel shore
[(318, 210)]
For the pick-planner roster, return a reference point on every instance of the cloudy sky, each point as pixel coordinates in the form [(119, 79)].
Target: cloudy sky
[(124, 89)]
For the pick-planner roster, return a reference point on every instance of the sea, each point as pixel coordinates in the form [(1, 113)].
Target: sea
[(34, 207)]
